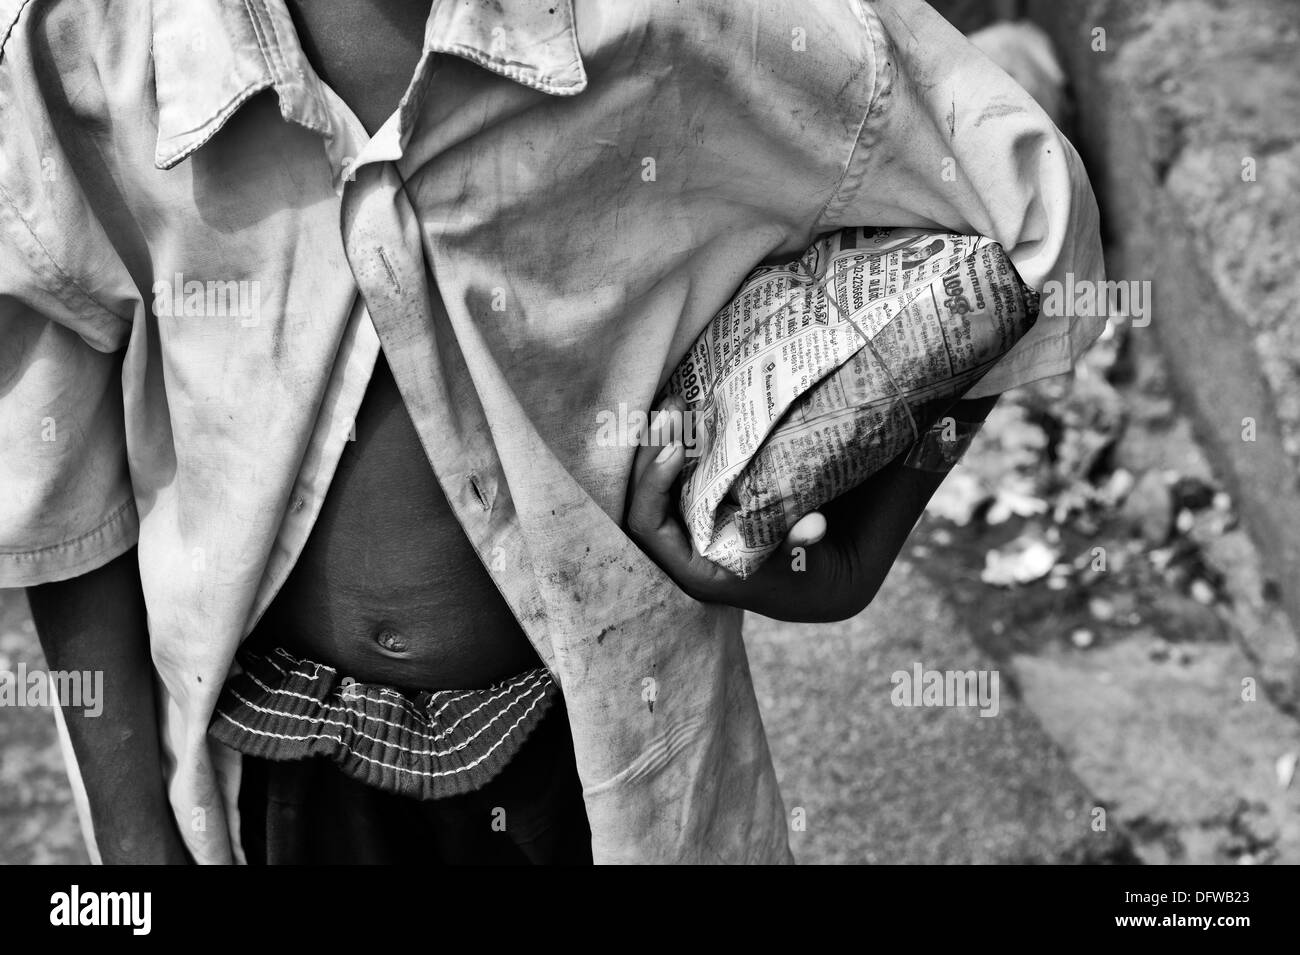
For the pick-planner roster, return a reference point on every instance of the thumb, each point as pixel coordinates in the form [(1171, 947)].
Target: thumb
[(808, 530)]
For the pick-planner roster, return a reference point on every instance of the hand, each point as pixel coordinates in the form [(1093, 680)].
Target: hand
[(830, 565)]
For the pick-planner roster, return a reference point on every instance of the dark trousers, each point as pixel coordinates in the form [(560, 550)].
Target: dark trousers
[(307, 812)]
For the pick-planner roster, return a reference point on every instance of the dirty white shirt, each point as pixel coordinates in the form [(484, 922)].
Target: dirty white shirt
[(195, 281)]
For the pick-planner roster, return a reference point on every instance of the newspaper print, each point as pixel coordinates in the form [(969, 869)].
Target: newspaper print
[(819, 373)]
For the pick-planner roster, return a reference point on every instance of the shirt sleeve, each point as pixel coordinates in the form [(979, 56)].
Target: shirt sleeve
[(951, 141), (66, 501)]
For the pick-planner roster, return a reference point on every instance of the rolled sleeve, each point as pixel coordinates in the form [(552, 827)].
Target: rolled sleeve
[(951, 141), (67, 506), (67, 307)]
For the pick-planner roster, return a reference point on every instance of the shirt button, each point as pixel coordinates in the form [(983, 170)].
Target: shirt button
[(391, 640)]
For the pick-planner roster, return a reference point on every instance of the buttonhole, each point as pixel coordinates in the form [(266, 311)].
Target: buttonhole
[(479, 493), (388, 266)]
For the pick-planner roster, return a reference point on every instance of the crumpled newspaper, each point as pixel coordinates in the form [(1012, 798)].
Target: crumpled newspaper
[(819, 373)]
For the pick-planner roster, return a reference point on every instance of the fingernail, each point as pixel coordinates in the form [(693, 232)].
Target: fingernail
[(666, 453)]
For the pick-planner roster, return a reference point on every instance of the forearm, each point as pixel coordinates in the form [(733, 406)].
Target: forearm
[(97, 622), (882, 512), (832, 562)]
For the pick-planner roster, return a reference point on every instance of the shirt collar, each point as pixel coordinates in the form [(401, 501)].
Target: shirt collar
[(212, 55)]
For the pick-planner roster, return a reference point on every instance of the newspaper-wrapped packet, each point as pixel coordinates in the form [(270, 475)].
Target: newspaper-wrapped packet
[(819, 373)]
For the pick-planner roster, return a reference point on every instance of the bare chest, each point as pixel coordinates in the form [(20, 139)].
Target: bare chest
[(367, 52)]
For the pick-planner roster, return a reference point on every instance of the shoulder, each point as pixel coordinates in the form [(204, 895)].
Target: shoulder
[(63, 26), (802, 68), (58, 61), (798, 43), (57, 52), (57, 57)]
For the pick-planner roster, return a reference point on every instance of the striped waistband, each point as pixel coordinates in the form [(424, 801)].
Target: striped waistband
[(428, 745)]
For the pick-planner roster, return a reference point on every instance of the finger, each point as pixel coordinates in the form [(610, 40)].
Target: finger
[(808, 530), (651, 508), (662, 429), (654, 524)]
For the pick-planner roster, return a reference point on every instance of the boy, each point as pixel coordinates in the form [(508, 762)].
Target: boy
[(310, 310)]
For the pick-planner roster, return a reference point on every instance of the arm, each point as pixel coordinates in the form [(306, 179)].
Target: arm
[(849, 546), (97, 622), (68, 522)]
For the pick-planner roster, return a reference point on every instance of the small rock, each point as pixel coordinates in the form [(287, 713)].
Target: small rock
[(1023, 560), (1202, 592), (1101, 609), (1117, 487), (1012, 502), (1185, 521), (1161, 557), (1082, 638), (1285, 767)]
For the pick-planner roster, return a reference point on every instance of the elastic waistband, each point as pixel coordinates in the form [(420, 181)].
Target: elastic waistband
[(427, 746)]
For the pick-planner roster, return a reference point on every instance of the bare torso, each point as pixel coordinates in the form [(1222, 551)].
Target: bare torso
[(388, 589)]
